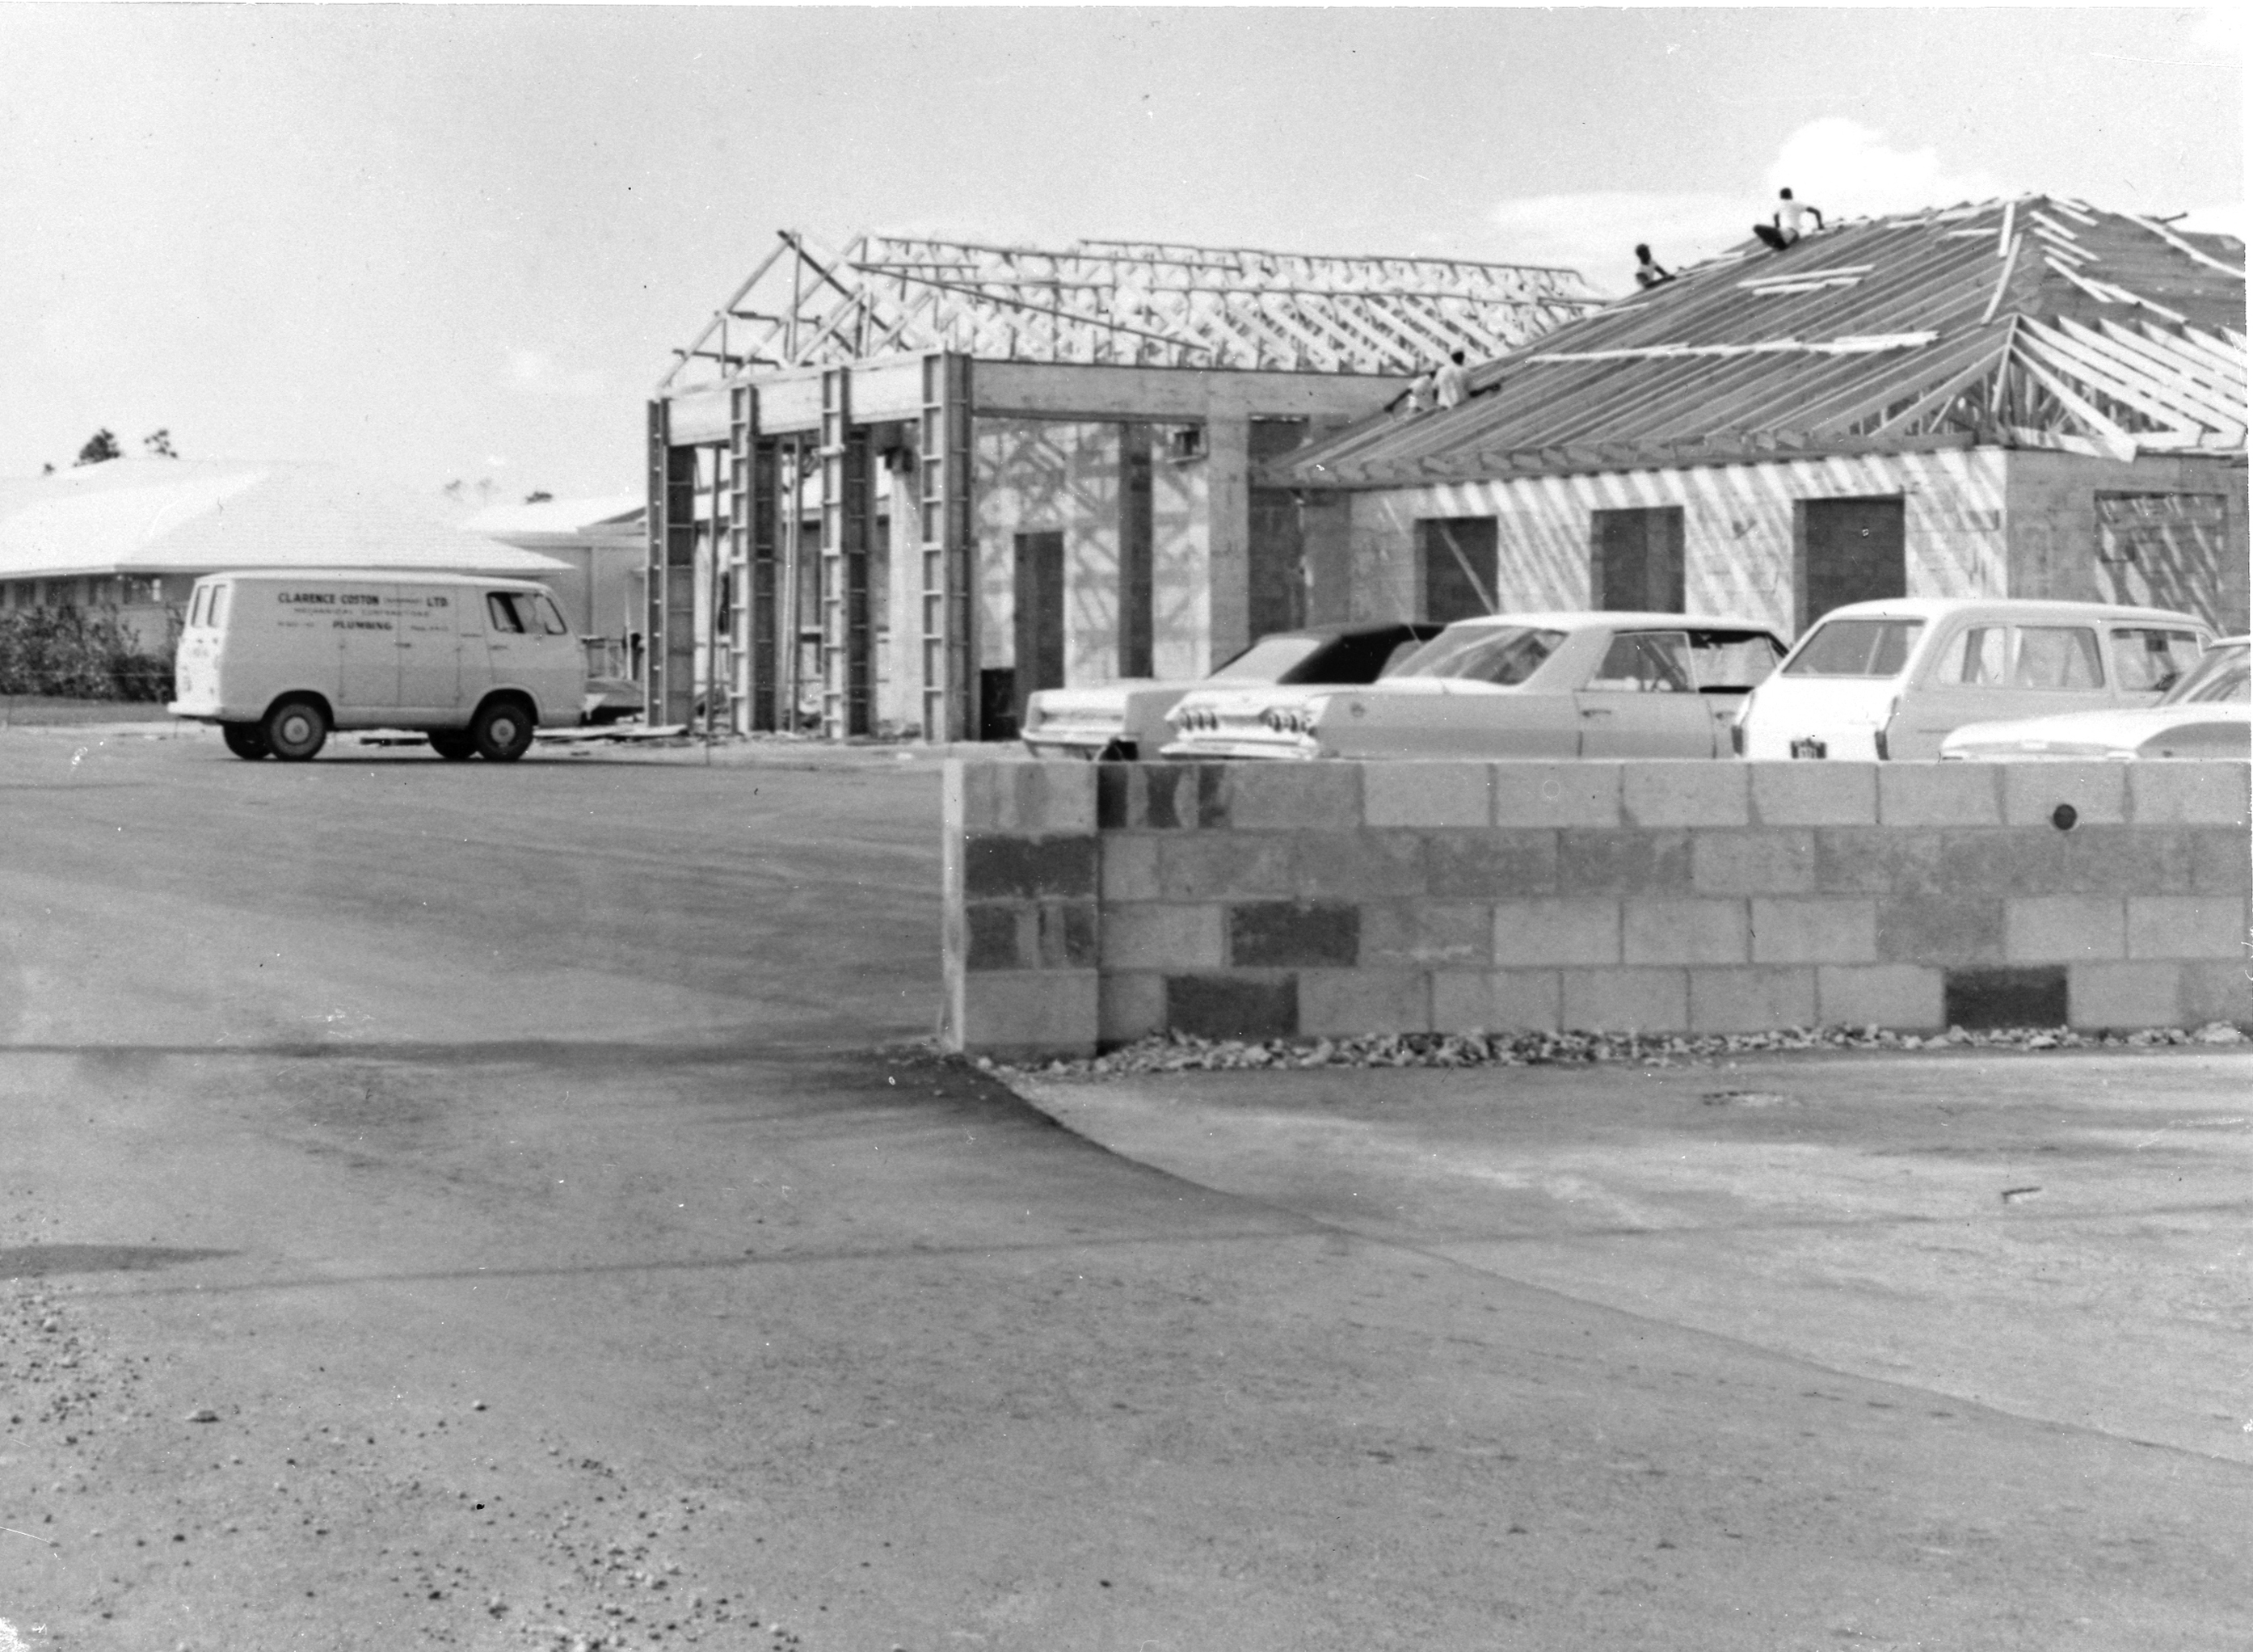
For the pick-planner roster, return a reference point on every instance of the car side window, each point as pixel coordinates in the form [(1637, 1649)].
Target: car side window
[(1732, 662), (1978, 658), (1401, 649), (500, 609), (2147, 658), (550, 620), (2057, 657), (1645, 663)]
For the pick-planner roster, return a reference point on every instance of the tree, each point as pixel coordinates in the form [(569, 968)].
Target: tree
[(99, 448), (158, 443)]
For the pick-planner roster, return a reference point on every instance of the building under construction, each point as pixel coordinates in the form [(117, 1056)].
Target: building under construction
[(896, 487)]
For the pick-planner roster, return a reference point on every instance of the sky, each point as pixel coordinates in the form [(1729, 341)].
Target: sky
[(458, 243)]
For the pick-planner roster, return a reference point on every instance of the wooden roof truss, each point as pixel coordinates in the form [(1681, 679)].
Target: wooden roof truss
[(1131, 303)]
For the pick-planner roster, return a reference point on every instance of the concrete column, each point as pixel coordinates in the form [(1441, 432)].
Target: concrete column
[(1228, 520)]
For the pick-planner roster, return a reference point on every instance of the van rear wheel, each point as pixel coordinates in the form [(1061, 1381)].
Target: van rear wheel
[(455, 745), (502, 732), (296, 729), (246, 739)]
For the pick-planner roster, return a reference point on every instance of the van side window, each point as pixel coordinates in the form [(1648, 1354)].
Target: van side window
[(2057, 657), (500, 608), (215, 610), (1977, 660), (2147, 658), (550, 620), (202, 599)]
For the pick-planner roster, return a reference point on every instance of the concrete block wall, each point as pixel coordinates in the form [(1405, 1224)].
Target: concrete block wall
[(1088, 905)]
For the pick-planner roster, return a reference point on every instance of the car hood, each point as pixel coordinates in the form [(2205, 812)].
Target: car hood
[(2119, 730)]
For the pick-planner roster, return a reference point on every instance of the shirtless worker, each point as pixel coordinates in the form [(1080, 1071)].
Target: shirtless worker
[(1790, 217)]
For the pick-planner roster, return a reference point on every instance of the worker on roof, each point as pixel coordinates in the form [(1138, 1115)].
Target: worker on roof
[(1419, 395), (1790, 219), (1452, 382), (1647, 271)]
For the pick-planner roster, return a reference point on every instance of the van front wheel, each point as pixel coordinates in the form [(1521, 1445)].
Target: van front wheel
[(296, 729), (502, 732), (453, 744), (246, 739)]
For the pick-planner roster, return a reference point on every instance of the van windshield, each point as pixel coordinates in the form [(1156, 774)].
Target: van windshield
[(1856, 648)]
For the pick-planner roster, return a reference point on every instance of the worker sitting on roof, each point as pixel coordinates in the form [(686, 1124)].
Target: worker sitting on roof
[(1647, 272), (1451, 383), (1419, 395), (1788, 219)]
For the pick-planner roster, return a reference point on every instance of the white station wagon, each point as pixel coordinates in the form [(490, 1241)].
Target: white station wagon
[(1561, 685), (1893, 678)]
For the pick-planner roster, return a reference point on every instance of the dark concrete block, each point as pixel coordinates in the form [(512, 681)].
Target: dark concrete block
[(2221, 860), (2027, 995), (1114, 796), (1357, 866), (1491, 866), (2125, 859), (1169, 795), (1877, 860), (1626, 862), (1233, 1006), (1028, 868), (992, 938), (2002, 861), (1950, 928), (1069, 934), (1212, 798), (1293, 935)]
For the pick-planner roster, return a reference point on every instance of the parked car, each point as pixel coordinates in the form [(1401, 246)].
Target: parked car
[(2207, 713), (1893, 678), (1127, 720), (278, 660), (1567, 684)]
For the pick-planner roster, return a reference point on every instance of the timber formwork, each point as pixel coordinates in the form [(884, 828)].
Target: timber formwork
[(753, 628)]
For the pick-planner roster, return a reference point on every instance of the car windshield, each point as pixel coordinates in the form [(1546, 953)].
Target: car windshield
[(1502, 654), (1268, 659), (1856, 648), (2221, 675)]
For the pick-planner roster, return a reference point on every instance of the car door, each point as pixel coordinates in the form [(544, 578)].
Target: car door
[(429, 651), (1641, 701), (1728, 666), (367, 657), (1991, 670), (530, 646)]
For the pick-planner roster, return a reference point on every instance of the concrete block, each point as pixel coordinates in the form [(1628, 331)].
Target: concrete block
[(1813, 794), (1022, 798), (1429, 794), (2216, 992), (1293, 935), (999, 934), (1176, 796), (1132, 1005), (2096, 792), (1876, 860), (2221, 860), (1497, 865), (1140, 937), (1067, 934), (1129, 865), (1626, 1000), (1747, 863), (1293, 796), (1751, 1000), (1663, 793), (1624, 862), (2187, 926), (1939, 928), (1942, 794), (2011, 860), (1556, 931), (1025, 1011), (1426, 934), (1902, 996), (1222, 866), (1341, 1003), (1001, 868), (1818, 931), (1357, 866), (1505, 1001), (1685, 932), (2124, 995), (2187, 793), (1264, 1006), (2129, 860), (2058, 929), (1556, 794)]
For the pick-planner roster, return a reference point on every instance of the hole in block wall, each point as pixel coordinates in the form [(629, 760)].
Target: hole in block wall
[(2029, 996)]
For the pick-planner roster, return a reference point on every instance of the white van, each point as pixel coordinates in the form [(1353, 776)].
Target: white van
[(278, 660), (1892, 679)]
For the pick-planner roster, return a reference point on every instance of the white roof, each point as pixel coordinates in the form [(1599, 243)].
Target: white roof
[(607, 515), (188, 516)]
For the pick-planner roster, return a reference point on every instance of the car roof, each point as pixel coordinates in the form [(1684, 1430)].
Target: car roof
[(1578, 619), (1935, 608), (376, 576), (1352, 628)]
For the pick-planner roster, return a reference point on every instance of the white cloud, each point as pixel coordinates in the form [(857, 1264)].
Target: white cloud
[(2222, 29), (1845, 168), (536, 372), (2215, 221)]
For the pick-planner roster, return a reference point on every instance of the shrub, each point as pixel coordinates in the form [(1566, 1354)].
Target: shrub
[(73, 654)]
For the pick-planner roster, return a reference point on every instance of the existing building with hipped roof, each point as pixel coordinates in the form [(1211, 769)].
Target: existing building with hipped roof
[(2026, 398)]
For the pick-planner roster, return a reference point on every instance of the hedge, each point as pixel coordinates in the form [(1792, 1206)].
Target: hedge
[(76, 654)]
